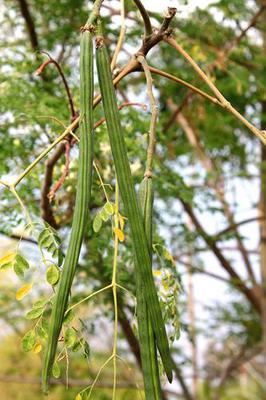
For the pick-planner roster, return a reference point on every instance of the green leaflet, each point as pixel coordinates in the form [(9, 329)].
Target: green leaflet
[(129, 198), (147, 340), (81, 204)]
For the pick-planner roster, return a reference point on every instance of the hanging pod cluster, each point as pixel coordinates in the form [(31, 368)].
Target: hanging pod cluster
[(129, 198), (139, 213), (81, 204)]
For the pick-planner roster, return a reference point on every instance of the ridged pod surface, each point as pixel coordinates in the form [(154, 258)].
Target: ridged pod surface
[(81, 204), (129, 198), (148, 351)]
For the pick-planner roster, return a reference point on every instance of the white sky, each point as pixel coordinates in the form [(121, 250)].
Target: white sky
[(156, 5)]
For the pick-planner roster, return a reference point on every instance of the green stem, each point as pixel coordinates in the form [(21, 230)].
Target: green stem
[(116, 225), (95, 12), (88, 297), (154, 115)]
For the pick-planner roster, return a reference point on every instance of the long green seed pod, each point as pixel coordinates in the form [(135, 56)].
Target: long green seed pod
[(129, 197), (148, 352), (81, 204)]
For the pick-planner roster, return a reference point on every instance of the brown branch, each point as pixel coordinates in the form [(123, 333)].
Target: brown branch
[(176, 112), (217, 185), (186, 84), (222, 56), (48, 194), (193, 269), (244, 355), (131, 66), (226, 104), (47, 212), (186, 393), (251, 24), (62, 75), (113, 12), (60, 182), (159, 34), (146, 19), (236, 280), (125, 104), (237, 224), (25, 11)]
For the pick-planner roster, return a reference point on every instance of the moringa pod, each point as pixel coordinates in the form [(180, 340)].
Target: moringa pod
[(84, 183), (129, 198), (146, 197), (148, 350)]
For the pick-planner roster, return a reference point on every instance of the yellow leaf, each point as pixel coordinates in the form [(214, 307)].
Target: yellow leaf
[(37, 348), (121, 221), (157, 273), (78, 397), (23, 291), (119, 234), (166, 287), (7, 259)]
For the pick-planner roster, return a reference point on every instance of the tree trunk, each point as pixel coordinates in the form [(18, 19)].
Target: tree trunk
[(262, 210)]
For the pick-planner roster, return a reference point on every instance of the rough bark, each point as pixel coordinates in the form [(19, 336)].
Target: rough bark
[(262, 210), (25, 12)]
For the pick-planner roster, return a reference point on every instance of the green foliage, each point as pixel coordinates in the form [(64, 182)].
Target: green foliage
[(49, 240), (28, 340), (178, 174), (52, 274)]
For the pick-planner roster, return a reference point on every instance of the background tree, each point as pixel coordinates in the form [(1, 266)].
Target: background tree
[(208, 177)]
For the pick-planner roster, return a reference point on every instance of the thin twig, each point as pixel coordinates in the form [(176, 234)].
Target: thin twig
[(193, 269), (62, 75), (60, 182), (146, 19), (188, 85), (68, 130), (236, 280), (237, 224), (226, 104), (154, 115), (126, 104), (217, 184), (243, 33), (67, 147), (121, 36)]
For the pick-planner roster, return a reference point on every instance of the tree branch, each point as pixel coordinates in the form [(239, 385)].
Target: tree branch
[(24, 8), (227, 106), (236, 280), (132, 65), (217, 185), (237, 224), (244, 355), (186, 84), (146, 19), (62, 75)]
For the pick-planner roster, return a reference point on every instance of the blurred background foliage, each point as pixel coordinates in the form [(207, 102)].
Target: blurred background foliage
[(208, 176)]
